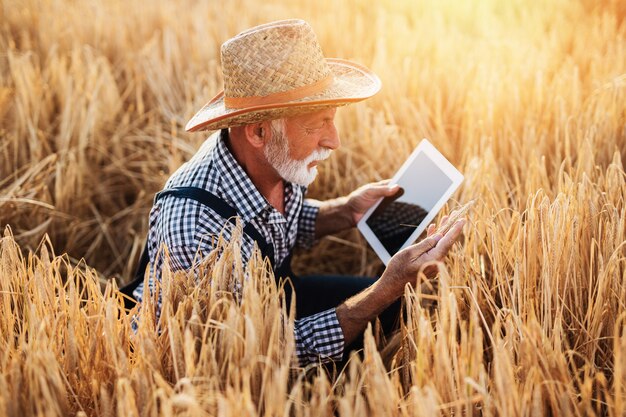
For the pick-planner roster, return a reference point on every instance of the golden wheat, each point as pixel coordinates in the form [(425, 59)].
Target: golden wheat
[(527, 98)]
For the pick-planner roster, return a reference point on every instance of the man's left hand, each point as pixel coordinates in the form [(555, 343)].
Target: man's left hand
[(364, 197), (345, 212)]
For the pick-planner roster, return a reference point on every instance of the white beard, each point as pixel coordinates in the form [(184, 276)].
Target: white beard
[(296, 171)]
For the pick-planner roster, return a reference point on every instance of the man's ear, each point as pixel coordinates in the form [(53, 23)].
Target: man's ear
[(257, 133)]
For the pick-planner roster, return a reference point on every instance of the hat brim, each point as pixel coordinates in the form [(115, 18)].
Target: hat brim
[(351, 83)]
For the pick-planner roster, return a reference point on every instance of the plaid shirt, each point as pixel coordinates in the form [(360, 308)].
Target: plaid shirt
[(186, 227)]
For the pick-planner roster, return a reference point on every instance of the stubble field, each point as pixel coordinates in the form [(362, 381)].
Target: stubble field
[(526, 98)]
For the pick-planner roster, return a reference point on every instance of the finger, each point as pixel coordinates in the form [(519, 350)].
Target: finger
[(392, 189), (425, 245), (382, 190), (443, 224), (445, 221), (446, 242), (431, 229), (377, 183)]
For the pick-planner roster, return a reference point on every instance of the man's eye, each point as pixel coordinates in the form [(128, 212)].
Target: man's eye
[(312, 129)]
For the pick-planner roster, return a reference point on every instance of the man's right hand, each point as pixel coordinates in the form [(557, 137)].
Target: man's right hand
[(354, 313), (405, 265)]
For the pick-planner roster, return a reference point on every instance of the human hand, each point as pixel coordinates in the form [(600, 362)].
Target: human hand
[(423, 256), (364, 197), (449, 220)]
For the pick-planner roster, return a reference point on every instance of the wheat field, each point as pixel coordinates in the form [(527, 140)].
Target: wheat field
[(526, 98)]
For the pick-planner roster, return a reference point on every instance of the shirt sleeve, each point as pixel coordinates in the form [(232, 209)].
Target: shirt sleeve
[(306, 223), (319, 338)]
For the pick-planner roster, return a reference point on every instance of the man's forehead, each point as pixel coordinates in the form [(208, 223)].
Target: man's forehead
[(313, 116)]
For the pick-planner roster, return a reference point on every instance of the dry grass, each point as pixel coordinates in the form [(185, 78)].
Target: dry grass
[(527, 98)]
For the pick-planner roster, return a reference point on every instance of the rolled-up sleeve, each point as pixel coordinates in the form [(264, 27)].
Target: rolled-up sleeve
[(306, 223), (319, 338)]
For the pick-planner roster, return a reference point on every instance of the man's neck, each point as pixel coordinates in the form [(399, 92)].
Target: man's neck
[(261, 173)]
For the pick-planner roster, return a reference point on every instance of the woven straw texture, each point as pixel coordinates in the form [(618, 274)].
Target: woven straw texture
[(272, 58), (280, 58)]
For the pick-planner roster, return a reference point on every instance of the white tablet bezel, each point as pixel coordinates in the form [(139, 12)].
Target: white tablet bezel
[(452, 173)]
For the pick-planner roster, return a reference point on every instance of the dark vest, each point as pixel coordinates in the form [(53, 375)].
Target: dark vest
[(226, 211)]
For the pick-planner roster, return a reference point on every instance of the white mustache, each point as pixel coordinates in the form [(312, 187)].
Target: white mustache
[(318, 155)]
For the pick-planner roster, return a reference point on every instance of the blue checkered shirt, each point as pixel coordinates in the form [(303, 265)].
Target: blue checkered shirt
[(187, 227)]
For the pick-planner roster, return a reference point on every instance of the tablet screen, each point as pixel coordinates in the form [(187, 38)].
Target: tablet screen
[(397, 217)]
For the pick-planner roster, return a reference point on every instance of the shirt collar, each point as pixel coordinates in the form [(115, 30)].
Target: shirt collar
[(236, 187)]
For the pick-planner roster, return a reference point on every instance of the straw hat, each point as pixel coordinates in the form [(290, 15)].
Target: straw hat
[(277, 70)]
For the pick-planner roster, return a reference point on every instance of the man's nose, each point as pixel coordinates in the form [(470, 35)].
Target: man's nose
[(331, 138)]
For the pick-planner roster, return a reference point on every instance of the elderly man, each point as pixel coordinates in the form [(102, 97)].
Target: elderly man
[(276, 123)]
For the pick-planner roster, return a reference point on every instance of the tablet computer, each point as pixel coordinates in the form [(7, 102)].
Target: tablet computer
[(427, 180)]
